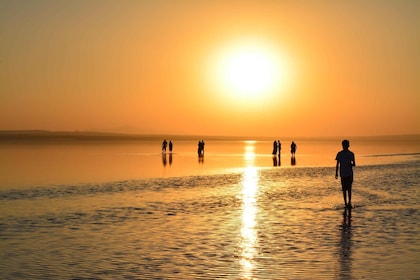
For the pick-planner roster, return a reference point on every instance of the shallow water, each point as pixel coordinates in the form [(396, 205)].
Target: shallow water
[(62, 163), (249, 222)]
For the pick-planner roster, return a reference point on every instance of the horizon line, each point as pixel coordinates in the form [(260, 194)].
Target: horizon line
[(39, 134)]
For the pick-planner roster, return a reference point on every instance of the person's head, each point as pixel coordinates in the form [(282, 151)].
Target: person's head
[(345, 144)]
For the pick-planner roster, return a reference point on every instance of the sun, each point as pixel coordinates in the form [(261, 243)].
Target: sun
[(249, 71)]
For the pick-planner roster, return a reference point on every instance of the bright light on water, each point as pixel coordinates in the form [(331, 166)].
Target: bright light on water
[(249, 210), (249, 154)]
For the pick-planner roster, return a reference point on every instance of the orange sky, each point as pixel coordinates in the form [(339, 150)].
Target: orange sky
[(350, 67)]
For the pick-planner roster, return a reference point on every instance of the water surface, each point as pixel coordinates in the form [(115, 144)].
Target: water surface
[(234, 216)]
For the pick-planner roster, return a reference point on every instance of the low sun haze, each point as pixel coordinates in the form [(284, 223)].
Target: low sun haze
[(263, 68)]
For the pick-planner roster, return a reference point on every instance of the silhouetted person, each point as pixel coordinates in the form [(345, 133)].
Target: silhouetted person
[(345, 162), (201, 147), (293, 148), (279, 146), (275, 147), (164, 144), (201, 151), (170, 146)]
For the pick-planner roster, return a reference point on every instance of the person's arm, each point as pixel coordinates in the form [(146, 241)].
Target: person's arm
[(336, 169), (354, 161)]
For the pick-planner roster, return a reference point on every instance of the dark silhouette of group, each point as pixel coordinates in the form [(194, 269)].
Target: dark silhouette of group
[(165, 144), (277, 150), (276, 147)]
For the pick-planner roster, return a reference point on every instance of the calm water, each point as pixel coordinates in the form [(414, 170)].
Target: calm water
[(123, 211)]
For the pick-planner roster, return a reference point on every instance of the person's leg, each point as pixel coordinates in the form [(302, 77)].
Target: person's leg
[(345, 198), (349, 195), (344, 194), (344, 187), (350, 183)]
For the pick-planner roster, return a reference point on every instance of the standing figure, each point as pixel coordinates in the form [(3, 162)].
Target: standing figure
[(170, 146), (345, 162), (279, 146), (293, 148), (164, 144), (200, 150), (202, 147), (275, 147)]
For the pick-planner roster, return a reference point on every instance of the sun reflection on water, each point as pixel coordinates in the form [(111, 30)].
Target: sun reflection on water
[(249, 211)]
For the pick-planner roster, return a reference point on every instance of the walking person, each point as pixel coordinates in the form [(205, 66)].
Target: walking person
[(345, 162)]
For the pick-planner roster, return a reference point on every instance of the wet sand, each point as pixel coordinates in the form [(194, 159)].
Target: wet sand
[(258, 224)]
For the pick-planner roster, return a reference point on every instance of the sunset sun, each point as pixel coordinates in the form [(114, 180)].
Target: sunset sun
[(249, 71)]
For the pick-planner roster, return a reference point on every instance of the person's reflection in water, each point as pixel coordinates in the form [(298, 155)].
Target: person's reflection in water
[(164, 159), (170, 158), (201, 158), (345, 246), (293, 160), (276, 160)]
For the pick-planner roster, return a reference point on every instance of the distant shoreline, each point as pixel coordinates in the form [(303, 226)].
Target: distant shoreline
[(39, 136), (92, 136)]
